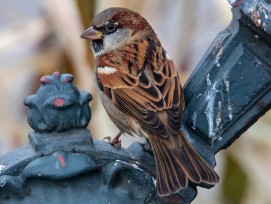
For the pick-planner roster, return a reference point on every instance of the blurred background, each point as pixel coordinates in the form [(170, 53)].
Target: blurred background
[(40, 37)]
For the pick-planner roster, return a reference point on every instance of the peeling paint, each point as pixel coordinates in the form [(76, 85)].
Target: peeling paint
[(257, 11), (194, 119), (218, 56), (264, 26), (209, 83), (135, 166), (137, 162), (199, 95), (255, 16), (209, 111), (266, 16), (2, 167), (227, 84), (2, 183), (219, 48), (154, 181), (219, 116)]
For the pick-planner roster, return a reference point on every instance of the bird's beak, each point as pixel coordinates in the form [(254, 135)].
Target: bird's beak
[(92, 34)]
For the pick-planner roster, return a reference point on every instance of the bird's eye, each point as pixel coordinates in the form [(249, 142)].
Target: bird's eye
[(110, 27)]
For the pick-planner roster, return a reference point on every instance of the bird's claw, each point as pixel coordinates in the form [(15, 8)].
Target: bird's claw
[(108, 139), (116, 142)]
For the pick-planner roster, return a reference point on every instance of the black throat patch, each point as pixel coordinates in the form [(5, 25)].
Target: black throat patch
[(97, 45)]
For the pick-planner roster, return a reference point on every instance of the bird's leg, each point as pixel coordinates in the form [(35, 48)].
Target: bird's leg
[(116, 142)]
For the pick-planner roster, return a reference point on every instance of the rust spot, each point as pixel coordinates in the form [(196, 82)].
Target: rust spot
[(256, 17)]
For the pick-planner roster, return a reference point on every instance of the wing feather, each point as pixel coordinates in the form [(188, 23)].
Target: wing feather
[(145, 84)]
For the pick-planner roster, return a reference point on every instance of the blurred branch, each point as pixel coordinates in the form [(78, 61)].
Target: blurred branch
[(87, 11)]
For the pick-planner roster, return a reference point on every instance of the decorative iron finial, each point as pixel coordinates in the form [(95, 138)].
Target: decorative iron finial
[(58, 105)]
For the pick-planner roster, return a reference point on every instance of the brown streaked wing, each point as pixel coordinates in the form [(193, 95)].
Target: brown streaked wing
[(148, 119), (142, 90)]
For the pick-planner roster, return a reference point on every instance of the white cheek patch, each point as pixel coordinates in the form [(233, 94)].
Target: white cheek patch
[(106, 70)]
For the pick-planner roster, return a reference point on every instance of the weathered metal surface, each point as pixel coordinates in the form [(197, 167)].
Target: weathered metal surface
[(62, 164), (231, 86), (58, 105), (106, 175), (259, 11), (228, 91)]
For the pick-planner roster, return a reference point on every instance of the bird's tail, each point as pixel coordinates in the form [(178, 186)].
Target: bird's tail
[(177, 163)]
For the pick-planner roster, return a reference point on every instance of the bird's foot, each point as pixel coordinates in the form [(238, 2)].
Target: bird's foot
[(116, 142)]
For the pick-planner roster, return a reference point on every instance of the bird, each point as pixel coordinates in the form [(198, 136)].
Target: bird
[(141, 92)]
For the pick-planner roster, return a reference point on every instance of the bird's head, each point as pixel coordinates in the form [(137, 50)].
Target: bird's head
[(114, 27)]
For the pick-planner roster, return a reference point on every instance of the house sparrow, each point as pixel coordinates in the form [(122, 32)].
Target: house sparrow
[(141, 92)]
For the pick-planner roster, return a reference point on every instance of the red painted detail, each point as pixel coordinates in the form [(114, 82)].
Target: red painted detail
[(64, 80), (59, 102), (56, 74), (68, 78), (46, 80), (62, 160)]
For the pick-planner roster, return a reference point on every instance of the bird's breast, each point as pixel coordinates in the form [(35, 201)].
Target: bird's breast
[(124, 123)]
